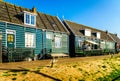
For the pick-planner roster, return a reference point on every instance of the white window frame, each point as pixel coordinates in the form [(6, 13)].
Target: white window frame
[(30, 14), (98, 35), (34, 40), (60, 42), (49, 36), (79, 43), (8, 31), (87, 32)]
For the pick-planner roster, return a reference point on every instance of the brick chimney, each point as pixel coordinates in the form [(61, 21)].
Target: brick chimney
[(115, 34), (34, 10), (106, 32)]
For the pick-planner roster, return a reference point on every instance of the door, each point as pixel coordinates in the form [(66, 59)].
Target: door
[(10, 40)]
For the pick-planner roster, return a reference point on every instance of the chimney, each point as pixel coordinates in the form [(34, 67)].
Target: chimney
[(115, 34), (106, 32), (34, 10)]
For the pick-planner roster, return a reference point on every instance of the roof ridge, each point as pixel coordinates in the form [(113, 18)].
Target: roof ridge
[(85, 26)]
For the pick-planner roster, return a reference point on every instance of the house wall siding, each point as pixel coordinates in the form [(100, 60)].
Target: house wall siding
[(2, 29), (49, 40), (54, 49), (20, 35), (77, 44), (38, 49), (50, 43), (65, 43)]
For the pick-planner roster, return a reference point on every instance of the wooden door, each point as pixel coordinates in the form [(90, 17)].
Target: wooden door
[(10, 40)]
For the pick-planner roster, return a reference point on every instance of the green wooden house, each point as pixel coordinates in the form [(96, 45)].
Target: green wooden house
[(116, 39), (82, 37), (28, 33)]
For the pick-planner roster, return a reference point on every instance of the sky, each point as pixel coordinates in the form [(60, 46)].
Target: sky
[(99, 14)]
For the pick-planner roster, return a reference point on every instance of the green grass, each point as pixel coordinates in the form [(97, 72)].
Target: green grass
[(114, 76), (24, 72), (6, 74), (14, 78), (14, 74)]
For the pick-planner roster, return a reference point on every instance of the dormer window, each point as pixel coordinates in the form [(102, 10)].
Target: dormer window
[(29, 18), (87, 32), (98, 35)]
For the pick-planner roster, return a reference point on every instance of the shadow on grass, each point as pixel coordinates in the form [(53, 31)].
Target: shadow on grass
[(36, 72), (116, 78)]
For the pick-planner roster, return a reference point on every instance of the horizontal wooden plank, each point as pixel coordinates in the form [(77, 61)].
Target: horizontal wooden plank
[(4, 19), (3, 15), (2, 7), (10, 6), (2, 4)]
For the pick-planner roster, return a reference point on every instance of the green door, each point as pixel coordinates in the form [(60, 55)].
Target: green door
[(49, 46), (10, 40)]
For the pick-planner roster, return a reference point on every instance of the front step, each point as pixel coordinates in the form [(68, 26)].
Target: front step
[(60, 55)]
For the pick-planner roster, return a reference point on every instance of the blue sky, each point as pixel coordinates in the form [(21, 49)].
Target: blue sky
[(100, 14)]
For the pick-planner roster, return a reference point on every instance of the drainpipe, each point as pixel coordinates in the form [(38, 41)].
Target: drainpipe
[(6, 33), (43, 44), (1, 59)]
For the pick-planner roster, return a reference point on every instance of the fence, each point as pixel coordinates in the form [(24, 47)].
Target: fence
[(17, 54)]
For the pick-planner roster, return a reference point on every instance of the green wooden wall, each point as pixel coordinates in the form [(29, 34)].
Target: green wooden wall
[(77, 47), (42, 42), (50, 42), (3, 29), (20, 35), (109, 45)]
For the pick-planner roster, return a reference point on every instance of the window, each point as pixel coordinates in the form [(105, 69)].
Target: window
[(32, 19), (87, 32), (29, 18), (80, 43), (58, 42), (48, 36), (98, 35), (30, 40), (102, 45), (10, 38)]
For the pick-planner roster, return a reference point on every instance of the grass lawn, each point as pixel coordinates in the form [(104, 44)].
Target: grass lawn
[(95, 68)]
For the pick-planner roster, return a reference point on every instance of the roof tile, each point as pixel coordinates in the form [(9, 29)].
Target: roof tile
[(12, 13)]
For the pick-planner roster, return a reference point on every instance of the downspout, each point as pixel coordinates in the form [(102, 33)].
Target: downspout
[(43, 49), (5, 33), (1, 59)]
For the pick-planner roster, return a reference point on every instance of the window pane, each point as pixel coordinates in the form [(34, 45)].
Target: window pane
[(29, 40), (58, 43), (98, 35), (32, 20), (27, 18), (87, 32)]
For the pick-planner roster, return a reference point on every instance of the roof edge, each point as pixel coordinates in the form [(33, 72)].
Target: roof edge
[(63, 25)]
